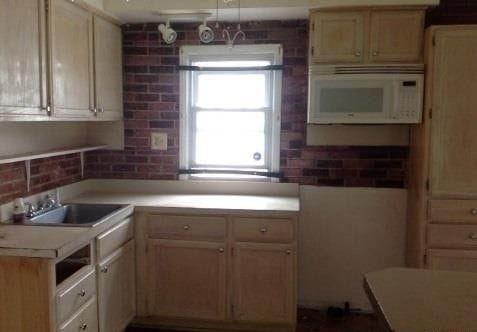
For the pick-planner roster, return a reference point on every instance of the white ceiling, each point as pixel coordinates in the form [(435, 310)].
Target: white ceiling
[(139, 11)]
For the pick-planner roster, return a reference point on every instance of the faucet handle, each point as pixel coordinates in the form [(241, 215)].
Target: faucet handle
[(30, 212)]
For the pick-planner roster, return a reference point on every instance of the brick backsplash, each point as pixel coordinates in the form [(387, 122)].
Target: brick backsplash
[(46, 174), (151, 104)]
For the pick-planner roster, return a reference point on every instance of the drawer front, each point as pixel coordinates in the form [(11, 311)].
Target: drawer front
[(72, 298), (263, 230), (114, 238), (452, 236), (186, 227), (452, 260), (453, 211), (86, 319)]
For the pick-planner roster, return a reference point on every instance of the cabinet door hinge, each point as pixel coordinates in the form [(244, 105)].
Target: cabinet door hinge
[(430, 113), (425, 260), (232, 309), (313, 27), (433, 40), (428, 185), (312, 51), (232, 251)]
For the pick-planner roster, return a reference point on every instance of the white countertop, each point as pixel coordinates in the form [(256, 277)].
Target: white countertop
[(220, 203), (414, 300)]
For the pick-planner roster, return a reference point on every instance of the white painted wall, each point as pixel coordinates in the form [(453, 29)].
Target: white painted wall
[(344, 233)]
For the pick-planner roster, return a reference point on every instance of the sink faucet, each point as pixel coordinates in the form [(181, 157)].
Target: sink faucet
[(48, 204)]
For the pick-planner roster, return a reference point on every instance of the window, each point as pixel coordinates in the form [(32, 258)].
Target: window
[(230, 110)]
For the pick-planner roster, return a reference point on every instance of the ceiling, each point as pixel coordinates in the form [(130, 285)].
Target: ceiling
[(140, 11)]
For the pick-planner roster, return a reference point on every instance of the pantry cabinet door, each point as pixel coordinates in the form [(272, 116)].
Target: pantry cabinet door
[(263, 282), (117, 289), (23, 65), (108, 69), (396, 36), (337, 37), (454, 114), (186, 279), (71, 30)]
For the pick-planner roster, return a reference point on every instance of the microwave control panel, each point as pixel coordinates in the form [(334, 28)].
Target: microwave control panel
[(410, 101)]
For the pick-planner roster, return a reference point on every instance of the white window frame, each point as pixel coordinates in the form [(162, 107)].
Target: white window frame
[(269, 52)]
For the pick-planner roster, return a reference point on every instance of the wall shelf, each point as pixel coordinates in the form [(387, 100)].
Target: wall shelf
[(28, 157)]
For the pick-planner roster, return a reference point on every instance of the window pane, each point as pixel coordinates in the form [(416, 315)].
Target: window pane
[(230, 139), (232, 90), (231, 63)]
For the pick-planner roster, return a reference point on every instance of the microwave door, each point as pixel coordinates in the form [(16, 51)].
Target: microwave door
[(351, 100)]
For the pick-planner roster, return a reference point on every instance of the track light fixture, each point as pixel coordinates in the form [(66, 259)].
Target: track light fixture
[(169, 35), (206, 34)]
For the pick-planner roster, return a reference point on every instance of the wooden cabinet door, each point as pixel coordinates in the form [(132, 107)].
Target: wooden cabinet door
[(186, 279), (23, 54), (337, 37), (117, 289), (263, 281), (396, 36), (454, 113), (452, 260), (108, 69), (71, 32)]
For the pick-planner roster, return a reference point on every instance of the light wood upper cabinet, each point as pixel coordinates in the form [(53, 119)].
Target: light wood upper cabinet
[(263, 281), (367, 36), (23, 54), (117, 289), (454, 114), (396, 36), (71, 31), (186, 279), (108, 69), (337, 37)]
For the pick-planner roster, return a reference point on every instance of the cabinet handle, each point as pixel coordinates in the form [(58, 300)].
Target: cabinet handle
[(263, 230), (186, 227), (105, 269), (473, 236), (288, 252), (94, 111), (101, 110), (82, 293), (358, 53), (83, 327), (375, 53), (473, 212), (221, 250)]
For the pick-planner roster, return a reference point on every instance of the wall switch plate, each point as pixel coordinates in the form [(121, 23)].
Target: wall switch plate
[(159, 141)]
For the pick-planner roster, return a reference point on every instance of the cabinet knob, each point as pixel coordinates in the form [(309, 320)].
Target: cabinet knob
[(186, 227), (94, 111), (358, 53), (82, 293), (83, 327), (105, 269), (288, 252), (221, 250), (263, 230), (375, 53), (473, 212), (473, 236)]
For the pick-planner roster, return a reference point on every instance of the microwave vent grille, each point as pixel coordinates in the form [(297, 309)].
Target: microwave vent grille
[(376, 69)]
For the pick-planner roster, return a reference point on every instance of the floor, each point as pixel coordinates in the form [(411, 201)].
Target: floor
[(317, 321)]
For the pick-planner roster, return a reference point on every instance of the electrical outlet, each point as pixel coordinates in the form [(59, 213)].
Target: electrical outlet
[(159, 141)]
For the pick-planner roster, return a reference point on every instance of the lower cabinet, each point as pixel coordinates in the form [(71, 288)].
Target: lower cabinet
[(186, 279), (452, 260), (263, 283), (217, 271), (117, 289)]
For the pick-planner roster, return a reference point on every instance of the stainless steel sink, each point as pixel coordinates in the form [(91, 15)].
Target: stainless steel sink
[(82, 215)]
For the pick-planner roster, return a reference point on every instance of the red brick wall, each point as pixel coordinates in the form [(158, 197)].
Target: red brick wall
[(46, 174), (151, 96)]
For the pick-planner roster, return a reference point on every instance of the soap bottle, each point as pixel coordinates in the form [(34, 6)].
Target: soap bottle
[(19, 211)]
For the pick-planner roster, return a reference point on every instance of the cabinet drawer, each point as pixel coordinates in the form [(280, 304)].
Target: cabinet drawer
[(263, 230), (186, 227), (75, 294), (452, 260), (86, 319), (452, 236), (457, 211), (113, 239)]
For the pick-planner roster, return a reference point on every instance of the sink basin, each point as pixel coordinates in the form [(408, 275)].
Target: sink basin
[(84, 215)]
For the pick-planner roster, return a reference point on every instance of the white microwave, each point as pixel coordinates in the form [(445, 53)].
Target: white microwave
[(366, 94)]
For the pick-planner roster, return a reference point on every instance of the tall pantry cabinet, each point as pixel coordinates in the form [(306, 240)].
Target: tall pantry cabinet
[(442, 228)]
